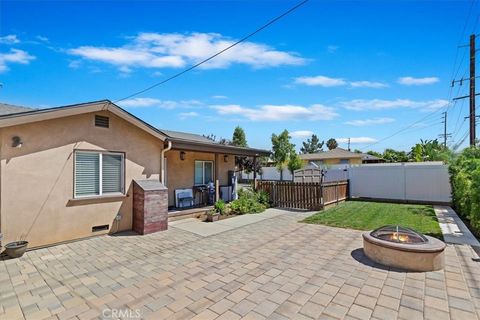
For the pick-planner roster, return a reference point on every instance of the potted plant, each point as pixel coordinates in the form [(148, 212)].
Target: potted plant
[(16, 249), (213, 215), (218, 209)]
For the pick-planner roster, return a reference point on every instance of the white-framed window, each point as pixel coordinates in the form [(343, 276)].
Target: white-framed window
[(203, 172), (98, 173)]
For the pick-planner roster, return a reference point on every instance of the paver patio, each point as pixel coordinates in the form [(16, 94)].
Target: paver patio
[(275, 268)]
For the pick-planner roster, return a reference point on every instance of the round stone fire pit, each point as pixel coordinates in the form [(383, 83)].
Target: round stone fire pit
[(404, 248)]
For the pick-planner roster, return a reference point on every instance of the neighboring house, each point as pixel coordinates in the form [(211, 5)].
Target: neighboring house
[(338, 156), (93, 168)]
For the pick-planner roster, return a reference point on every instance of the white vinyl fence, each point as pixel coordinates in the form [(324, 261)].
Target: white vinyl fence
[(269, 173), (427, 182), (416, 181)]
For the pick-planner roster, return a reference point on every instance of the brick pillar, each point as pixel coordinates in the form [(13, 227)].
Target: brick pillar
[(150, 206)]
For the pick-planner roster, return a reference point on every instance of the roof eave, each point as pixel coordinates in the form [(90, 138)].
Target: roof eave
[(219, 148)]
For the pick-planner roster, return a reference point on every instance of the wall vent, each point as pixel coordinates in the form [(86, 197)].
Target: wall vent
[(101, 121), (100, 228)]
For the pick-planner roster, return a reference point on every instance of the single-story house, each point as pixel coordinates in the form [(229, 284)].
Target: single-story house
[(93, 168), (338, 156)]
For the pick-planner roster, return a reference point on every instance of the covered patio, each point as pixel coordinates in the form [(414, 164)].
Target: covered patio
[(199, 171)]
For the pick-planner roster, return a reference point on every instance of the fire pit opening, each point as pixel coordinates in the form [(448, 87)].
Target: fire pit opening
[(399, 235), (404, 248)]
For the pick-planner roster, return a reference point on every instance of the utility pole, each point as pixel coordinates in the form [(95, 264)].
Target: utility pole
[(348, 144), (471, 116), (445, 135), (472, 90)]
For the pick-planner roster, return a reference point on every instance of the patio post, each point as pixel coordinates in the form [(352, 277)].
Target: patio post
[(217, 186), (255, 173)]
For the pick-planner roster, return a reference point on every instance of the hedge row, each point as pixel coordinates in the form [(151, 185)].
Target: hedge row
[(465, 180)]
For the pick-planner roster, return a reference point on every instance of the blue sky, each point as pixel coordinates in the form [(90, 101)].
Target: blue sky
[(358, 69)]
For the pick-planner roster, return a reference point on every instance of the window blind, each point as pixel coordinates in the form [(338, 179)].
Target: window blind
[(111, 173), (87, 169)]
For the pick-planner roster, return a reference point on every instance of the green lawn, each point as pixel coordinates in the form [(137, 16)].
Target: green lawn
[(362, 215)]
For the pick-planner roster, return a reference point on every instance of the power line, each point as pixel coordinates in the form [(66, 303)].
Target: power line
[(459, 112), (462, 35), (459, 128), (462, 140), (472, 93), (269, 23), (445, 135), (454, 72), (402, 130)]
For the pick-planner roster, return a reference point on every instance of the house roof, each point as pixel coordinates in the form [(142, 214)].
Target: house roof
[(177, 135), (337, 153), (367, 156), (196, 142), (6, 109), (16, 115), (34, 115)]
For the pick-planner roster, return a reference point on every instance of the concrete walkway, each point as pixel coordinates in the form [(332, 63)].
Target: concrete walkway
[(205, 229), (453, 229)]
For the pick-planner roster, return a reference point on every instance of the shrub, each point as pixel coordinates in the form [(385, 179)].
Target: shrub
[(465, 181), (249, 202), (220, 206), (263, 198)]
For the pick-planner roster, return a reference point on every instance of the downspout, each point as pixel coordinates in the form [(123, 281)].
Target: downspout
[(162, 162)]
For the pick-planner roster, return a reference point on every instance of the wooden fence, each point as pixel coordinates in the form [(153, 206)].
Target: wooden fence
[(304, 195)]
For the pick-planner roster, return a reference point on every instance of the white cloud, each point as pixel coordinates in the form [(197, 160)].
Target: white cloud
[(332, 48), (126, 58), (368, 84), (379, 104), (157, 103), (368, 122), (219, 97), (278, 112), (301, 134), (185, 115), (42, 38), (9, 39), (410, 81), (321, 81), (75, 64), (356, 140), (324, 81), (174, 50), (14, 56)]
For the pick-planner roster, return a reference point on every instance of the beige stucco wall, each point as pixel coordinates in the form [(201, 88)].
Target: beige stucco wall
[(180, 173), (37, 179)]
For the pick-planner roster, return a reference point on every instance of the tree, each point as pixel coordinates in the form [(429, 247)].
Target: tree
[(375, 154), (213, 138), (391, 155), (249, 165), (312, 145), (294, 163), (239, 139), (332, 144), (430, 150), (281, 150)]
